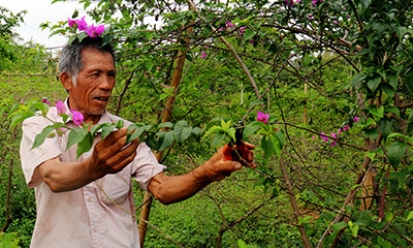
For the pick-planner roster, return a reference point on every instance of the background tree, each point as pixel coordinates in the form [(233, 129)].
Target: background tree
[(334, 75)]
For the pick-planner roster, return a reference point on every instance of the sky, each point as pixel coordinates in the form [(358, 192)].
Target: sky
[(40, 11)]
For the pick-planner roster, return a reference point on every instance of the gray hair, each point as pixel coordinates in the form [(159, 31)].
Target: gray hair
[(71, 55)]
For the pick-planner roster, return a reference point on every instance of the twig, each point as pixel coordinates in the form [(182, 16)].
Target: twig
[(294, 205)]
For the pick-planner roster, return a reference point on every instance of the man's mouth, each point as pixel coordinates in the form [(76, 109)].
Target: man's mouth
[(101, 98)]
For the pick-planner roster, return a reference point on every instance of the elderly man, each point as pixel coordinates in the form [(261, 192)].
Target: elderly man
[(87, 201)]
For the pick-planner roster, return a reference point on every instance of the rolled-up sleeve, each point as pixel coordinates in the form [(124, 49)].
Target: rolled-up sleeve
[(32, 158), (145, 166)]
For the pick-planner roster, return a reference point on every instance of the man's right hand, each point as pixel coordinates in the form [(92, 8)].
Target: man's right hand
[(112, 154)]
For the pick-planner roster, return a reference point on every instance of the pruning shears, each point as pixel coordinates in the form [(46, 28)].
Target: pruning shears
[(238, 150)]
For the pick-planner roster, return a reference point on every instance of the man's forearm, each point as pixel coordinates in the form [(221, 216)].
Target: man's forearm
[(66, 176), (171, 189)]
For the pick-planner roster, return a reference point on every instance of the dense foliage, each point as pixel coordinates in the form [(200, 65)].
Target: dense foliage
[(334, 75)]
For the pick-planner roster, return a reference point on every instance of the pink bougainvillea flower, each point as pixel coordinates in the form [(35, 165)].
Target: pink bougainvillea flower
[(315, 2), (230, 25), (340, 130), (95, 32), (356, 118), (333, 135), (81, 24), (242, 30), (323, 136), (44, 100), (72, 22), (203, 55), (291, 2), (61, 108), (333, 143), (263, 117), (77, 117), (346, 127)]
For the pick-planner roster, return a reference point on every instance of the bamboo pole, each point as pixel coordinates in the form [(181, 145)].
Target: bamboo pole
[(166, 116)]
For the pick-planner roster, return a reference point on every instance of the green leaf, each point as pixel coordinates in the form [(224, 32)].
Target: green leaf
[(270, 145), (255, 103), (339, 225), (241, 244), (225, 125), (166, 125), (248, 34), (358, 79), (378, 113), (384, 243), (385, 127), (218, 139), (371, 133), (85, 145), (76, 135), (371, 155), (120, 124), (393, 109), (182, 131), (354, 230), (374, 83), (392, 81), (252, 127), (410, 216), (389, 216), (213, 130), (167, 141), (98, 127), (41, 137), (280, 137), (231, 133), (398, 136), (395, 152), (135, 132), (186, 133), (197, 132), (106, 130)]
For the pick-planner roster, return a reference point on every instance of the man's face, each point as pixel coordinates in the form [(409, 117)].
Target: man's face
[(95, 82)]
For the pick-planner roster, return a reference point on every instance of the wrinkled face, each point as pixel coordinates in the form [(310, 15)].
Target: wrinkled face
[(95, 82)]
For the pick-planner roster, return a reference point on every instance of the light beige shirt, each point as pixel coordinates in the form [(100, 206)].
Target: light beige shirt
[(101, 214)]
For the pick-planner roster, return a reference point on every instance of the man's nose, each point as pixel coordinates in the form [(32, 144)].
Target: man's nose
[(106, 83)]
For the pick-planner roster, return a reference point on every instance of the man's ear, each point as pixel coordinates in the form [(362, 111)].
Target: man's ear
[(66, 80)]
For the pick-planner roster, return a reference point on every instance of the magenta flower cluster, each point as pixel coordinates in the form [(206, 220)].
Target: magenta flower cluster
[(335, 136), (315, 2), (92, 30), (76, 116), (291, 3), (263, 117)]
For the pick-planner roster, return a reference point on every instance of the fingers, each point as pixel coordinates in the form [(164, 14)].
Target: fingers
[(123, 156), (112, 154), (249, 145), (242, 153)]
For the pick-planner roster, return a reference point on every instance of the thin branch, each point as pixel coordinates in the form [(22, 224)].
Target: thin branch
[(122, 94), (294, 204)]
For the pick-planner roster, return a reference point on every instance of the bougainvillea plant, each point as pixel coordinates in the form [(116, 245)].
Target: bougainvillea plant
[(158, 137)]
